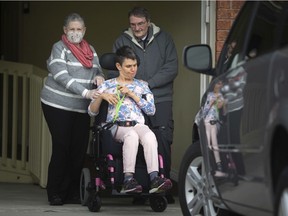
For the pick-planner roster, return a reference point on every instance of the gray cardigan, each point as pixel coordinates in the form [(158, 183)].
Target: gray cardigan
[(158, 61), (68, 80)]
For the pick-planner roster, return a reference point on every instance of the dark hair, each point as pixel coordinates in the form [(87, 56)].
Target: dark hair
[(140, 12), (125, 52), (73, 17)]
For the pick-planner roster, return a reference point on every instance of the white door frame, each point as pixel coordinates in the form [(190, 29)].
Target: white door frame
[(208, 35)]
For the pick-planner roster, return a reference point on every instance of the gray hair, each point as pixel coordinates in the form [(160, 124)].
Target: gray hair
[(140, 12), (73, 17)]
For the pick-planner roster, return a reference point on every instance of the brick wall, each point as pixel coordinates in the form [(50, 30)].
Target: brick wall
[(226, 11)]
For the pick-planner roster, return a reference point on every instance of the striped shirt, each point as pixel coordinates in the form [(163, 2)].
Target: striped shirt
[(68, 80)]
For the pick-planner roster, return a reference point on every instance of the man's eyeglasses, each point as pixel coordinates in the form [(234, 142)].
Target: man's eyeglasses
[(140, 24)]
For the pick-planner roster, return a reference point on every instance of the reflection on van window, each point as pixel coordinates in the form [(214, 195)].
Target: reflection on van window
[(232, 51)]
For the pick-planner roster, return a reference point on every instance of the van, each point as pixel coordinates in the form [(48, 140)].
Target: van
[(237, 163)]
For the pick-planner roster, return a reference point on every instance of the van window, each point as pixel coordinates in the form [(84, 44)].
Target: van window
[(232, 50), (263, 37), (243, 45), (283, 32)]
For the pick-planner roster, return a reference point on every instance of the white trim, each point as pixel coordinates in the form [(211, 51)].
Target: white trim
[(208, 35), (212, 40)]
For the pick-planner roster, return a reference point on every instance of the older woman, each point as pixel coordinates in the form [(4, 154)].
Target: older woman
[(73, 69)]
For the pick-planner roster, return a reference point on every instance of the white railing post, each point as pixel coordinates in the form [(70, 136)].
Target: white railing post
[(26, 129), (24, 136), (14, 120), (4, 119)]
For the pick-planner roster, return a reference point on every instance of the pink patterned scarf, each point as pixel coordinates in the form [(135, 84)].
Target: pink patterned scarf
[(83, 53)]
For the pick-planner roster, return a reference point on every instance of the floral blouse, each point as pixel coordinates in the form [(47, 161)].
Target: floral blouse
[(129, 110), (211, 111)]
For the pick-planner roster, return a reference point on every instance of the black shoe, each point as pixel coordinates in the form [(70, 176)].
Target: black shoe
[(159, 185), (131, 186), (219, 166), (219, 171), (55, 201)]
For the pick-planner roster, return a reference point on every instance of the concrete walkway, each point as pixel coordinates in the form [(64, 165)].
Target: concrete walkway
[(31, 200)]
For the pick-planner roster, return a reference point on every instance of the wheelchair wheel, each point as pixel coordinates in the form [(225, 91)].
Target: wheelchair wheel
[(94, 203), (84, 182), (158, 203)]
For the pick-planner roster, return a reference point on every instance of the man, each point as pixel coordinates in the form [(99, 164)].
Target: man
[(159, 67)]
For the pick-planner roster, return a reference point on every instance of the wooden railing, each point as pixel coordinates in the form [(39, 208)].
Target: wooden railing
[(25, 142)]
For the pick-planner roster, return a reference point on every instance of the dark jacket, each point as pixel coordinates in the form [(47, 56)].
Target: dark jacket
[(158, 61)]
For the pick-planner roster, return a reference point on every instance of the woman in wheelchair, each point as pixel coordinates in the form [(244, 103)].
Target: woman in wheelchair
[(126, 103)]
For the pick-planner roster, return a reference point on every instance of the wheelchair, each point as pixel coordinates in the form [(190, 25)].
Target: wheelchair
[(106, 174)]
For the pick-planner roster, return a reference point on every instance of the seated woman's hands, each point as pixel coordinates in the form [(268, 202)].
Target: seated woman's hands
[(110, 98), (125, 91)]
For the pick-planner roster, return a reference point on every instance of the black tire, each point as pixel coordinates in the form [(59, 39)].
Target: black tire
[(85, 179), (282, 194), (192, 158), (158, 203), (193, 187), (94, 203)]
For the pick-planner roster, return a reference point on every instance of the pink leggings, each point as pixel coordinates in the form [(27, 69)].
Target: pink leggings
[(131, 137), (211, 132)]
